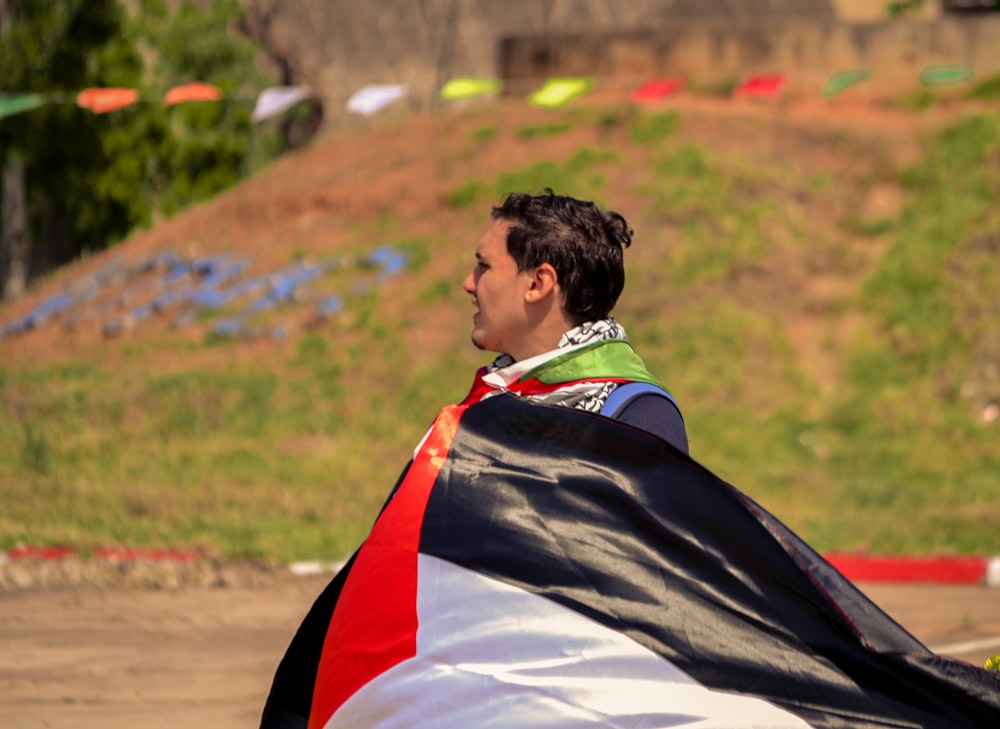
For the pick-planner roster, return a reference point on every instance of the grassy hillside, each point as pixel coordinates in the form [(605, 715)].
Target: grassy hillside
[(820, 296)]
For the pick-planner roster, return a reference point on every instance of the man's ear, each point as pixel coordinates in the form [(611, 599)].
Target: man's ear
[(544, 282)]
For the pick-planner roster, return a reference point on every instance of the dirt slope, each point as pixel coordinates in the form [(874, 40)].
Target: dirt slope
[(308, 205)]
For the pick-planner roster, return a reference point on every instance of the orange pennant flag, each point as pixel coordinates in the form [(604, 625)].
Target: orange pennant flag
[(101, 100), (192, 92)]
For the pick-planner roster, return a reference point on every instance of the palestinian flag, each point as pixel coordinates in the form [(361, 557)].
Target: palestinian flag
[(538, 566)]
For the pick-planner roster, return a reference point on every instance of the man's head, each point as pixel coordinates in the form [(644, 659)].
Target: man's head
[(546, 264), (584, 245)]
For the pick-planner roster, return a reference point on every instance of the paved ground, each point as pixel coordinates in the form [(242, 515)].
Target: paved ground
[(193, 657)]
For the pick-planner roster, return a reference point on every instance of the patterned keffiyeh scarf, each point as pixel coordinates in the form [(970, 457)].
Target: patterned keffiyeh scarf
[(589, 396)]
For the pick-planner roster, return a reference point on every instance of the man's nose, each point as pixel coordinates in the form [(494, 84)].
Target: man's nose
[(469, 284)]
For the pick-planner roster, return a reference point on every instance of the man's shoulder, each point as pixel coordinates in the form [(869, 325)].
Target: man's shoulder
[(626, 393), (649, 407)]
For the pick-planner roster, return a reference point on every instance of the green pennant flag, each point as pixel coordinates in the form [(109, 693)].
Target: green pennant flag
[(945, 75), (558, 91), (11, 104), (467, 88), (844, 79)]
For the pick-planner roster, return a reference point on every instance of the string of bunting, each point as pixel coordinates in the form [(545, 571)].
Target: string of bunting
[(370, 99), (269, 103)]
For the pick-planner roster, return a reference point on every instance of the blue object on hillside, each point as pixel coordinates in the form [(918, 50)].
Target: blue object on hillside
[(329, 305), (228, 327), (388, 259), (208, 296)]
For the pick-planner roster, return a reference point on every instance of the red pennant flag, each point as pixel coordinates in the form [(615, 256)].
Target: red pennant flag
[(101, 100), (656, 89), (761, 85), (192, 92)]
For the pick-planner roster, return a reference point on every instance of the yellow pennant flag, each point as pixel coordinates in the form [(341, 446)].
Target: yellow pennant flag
[(558, 91), (467, 88)]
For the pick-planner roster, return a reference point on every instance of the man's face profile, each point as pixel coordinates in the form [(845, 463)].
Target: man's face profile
[(498, 293)]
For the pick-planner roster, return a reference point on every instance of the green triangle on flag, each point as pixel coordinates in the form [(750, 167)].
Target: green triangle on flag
[(945, 75), (844, 79), (557, 91), (11, 104), (467, 88)]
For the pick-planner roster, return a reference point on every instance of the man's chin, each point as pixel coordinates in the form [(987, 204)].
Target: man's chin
[(479, 342)]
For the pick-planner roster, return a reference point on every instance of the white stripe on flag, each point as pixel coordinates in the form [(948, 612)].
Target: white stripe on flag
[(492, 655)]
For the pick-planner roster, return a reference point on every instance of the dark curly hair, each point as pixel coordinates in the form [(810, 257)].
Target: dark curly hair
[(582, 243)]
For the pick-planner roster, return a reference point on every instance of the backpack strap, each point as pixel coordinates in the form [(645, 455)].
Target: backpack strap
[(625, 393)]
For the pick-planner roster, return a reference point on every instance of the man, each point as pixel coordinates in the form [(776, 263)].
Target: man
[(539, 564), (548, 272)]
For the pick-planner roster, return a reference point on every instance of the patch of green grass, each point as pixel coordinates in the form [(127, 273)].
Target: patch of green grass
[(905, 440), (646, 129), (417, 253), (986, 90), (311, 347), (723, 87), (230, 459), (550, 129), (602, 118), (611, 118), (35, 451), (916, 101), (290, 455), (820, 182), (441, 289), (576, 177), (483, 134), (869, 227), (715, 210), (465, 194)]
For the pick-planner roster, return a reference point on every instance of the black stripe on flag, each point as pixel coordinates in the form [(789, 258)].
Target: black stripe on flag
[(616, 524)]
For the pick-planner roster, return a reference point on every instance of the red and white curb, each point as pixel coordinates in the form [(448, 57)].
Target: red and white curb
[(102, 554), (316, 567), (953, 570), (945, 569)]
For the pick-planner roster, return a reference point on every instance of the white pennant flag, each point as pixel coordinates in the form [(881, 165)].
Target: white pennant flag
[(371, 99), (277, 99)]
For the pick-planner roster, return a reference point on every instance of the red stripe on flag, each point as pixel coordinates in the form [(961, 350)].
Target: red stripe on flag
[(367, 637)]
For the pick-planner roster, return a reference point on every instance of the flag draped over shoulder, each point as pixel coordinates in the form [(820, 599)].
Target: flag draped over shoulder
[(538, 566)]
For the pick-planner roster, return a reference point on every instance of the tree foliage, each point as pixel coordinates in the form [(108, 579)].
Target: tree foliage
[(91, 179), (56, 47), (205, 147)]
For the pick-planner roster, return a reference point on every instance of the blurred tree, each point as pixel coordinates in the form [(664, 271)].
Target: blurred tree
[(900, 8), (206, 146), (52, 156), (75, 181)]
